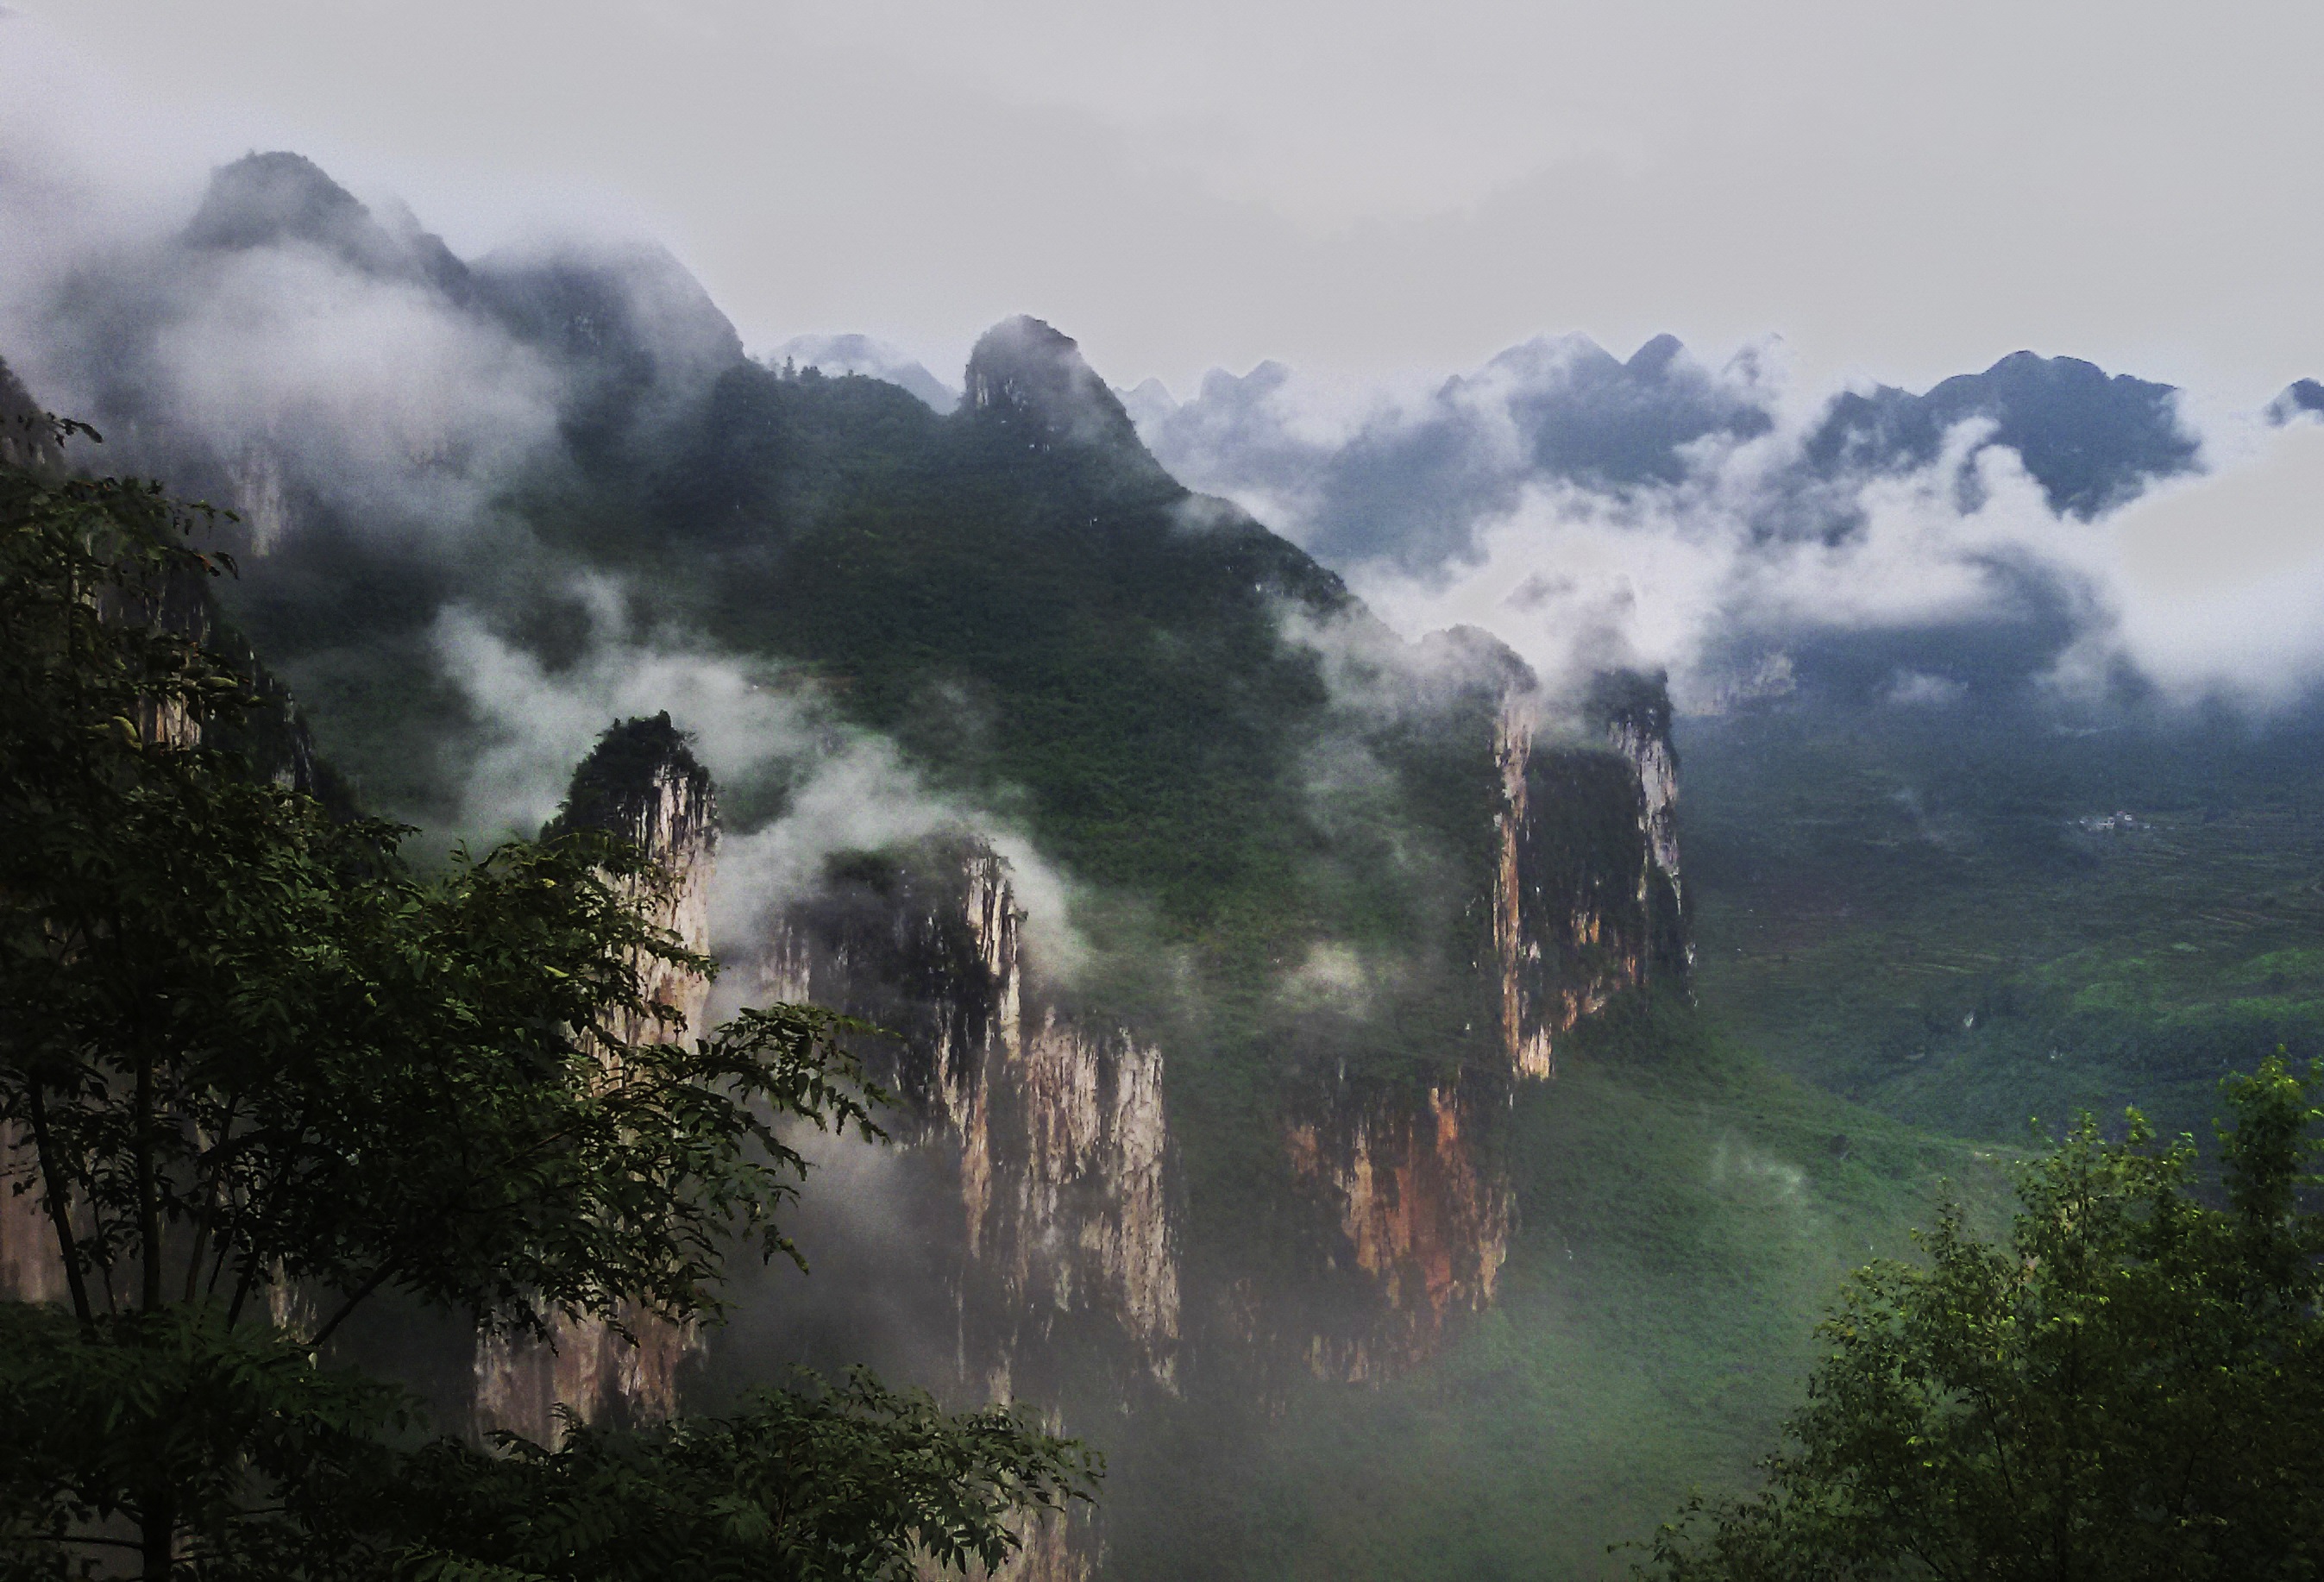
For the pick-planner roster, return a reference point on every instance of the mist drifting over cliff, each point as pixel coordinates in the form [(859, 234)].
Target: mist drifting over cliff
[(372, 408)]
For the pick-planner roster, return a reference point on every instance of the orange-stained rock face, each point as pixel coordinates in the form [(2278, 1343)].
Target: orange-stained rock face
[(1425, 1214), (1585, 903)]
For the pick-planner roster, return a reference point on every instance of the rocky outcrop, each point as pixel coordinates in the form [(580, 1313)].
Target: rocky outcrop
[(1063, 1261), (1585, 903), (1425, 1212), (1057, 1128), (642, 785), (1587, 897)]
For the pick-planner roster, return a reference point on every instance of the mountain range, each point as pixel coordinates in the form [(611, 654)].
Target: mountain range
[(1328, 1080)]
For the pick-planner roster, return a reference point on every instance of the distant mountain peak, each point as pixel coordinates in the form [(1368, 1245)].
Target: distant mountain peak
[(1149, 402), (264, 199), (276, 198), (2303, 398), (840, 354), (2091, 439), (1656, 355), (1026, 373)]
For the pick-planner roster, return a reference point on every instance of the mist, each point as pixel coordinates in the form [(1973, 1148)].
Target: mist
[(1666, 515), (367, 404)]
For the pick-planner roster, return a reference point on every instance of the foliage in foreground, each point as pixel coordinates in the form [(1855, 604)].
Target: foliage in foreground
[(279, 1468), (2131, 1387), (250, 1061)]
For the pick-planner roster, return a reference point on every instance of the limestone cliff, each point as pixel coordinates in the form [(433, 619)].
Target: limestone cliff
[(1054, 1129), (1424, 1212), (642, 785), (1586, 899), (1586, 902), (1057, 1128)]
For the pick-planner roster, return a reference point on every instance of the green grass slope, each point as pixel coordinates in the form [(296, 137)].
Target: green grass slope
[(1948, 920)]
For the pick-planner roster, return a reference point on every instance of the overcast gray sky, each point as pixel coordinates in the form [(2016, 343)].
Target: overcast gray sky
[(1899, 190)]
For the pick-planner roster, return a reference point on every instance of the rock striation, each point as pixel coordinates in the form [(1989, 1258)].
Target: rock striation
[(1068, 1228)]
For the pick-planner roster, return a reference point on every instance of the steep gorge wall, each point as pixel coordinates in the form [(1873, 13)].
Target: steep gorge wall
[(1065, 1271), (1586, 902), (1587, 897), (1069, 1228), (1057, 1130), (642, 785)]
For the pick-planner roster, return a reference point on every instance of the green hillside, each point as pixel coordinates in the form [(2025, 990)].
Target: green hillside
[(1955, 922)]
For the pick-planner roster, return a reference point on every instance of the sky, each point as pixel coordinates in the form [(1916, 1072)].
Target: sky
[(1897, 192)]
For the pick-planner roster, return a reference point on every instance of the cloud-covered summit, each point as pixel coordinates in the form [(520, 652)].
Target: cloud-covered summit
[(2303, 398), (1408, 483), (2091, 441), (279, 198), (837, 355), (289, 349), (1754, 538)]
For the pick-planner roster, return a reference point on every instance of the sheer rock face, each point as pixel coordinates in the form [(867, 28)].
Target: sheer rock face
[(1068, 1264), (642, 785), (1585, 903), (1066, 1176), (1069, 1231), (1425, 1213), (1587, 900)]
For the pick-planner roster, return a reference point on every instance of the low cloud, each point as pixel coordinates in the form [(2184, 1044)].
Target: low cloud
[(2214, 587), (2039, 523), (1678, 577), (841, 788)]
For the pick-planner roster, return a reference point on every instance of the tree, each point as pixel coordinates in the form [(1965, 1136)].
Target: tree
[(252, 1061), (2131, 1385)]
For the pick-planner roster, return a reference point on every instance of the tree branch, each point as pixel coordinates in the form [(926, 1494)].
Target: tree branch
[(53, 1191), (149, 1205), (378, 1278)]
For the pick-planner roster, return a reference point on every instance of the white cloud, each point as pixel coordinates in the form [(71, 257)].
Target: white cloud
[(384, 397), (1918, 689), (1667, 577), (2216, 584), (848, 789)]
